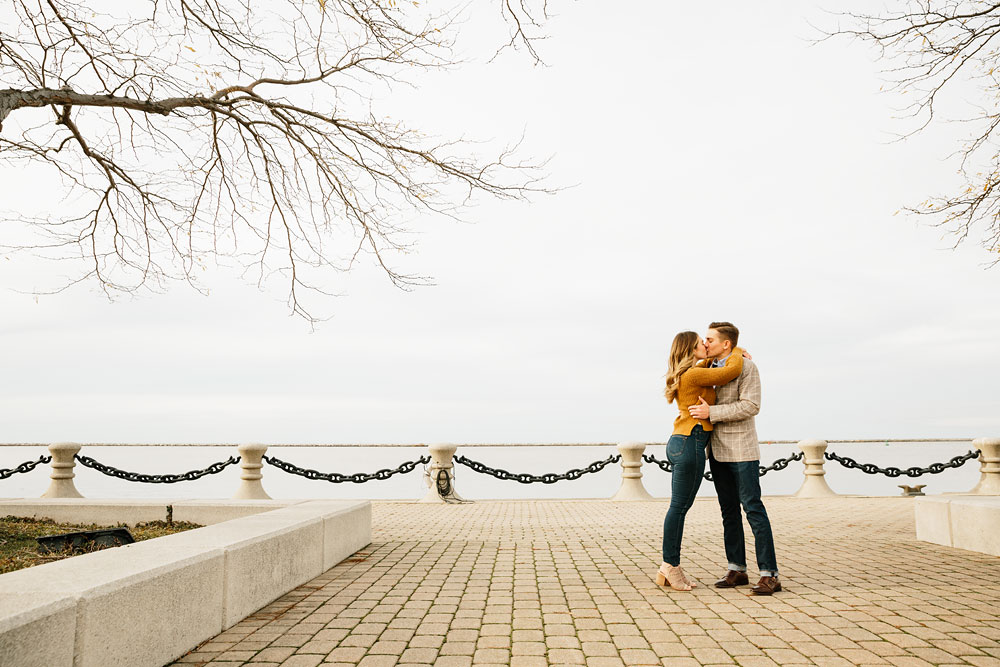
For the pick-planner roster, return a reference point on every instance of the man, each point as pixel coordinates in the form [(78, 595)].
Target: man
[(734, 458)]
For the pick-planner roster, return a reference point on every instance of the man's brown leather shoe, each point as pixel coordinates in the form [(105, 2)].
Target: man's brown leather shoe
[(766, 586), (732, 579)]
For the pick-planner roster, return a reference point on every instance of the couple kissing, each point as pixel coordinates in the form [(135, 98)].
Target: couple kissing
[(717, 390)]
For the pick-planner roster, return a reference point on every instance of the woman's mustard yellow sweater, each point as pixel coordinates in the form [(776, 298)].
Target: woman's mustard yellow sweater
[(700, 382)]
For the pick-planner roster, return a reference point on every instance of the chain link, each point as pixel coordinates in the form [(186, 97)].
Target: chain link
[(667, 466), (337, 478), (891, 471), (780, 464), (191, 475), (27, 466), (546, 478)]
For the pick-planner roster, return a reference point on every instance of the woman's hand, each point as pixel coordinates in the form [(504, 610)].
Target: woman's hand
[(746, 355)]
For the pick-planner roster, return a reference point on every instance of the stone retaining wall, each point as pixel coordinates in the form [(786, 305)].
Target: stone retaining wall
[(963, 522), (150, 602)]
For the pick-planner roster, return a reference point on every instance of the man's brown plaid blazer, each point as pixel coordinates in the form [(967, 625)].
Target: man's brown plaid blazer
[(734, 437)]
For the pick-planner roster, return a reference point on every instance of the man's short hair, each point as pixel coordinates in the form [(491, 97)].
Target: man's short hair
[(727, 330)]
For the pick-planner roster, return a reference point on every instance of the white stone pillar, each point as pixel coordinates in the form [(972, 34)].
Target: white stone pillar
[(62, 471), (989, 466), (250, 487), (632, 488), (442, 468), (814, 485)]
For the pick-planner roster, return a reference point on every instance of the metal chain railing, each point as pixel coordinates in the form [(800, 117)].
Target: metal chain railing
[(189, 476), (779, 464), (915, 471), (445, 484), (546, 478), (337, 478), (665, 466), (27, 466)]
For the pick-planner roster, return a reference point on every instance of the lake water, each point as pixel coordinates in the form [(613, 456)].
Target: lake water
[(469, 484)]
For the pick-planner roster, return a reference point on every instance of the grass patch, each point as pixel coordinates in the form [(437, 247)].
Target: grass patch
[(18, 548)]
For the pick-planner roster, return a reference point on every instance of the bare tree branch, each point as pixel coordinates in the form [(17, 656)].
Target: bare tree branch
[(937, 51), (192, 130)]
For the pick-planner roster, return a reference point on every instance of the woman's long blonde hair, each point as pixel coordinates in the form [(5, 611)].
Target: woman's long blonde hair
[(681, 359)]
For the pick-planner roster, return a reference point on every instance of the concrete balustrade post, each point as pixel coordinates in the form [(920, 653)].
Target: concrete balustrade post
[(251, 463), (989, 466), (63, 462), (440, 476), (814, 485), (632, 488)]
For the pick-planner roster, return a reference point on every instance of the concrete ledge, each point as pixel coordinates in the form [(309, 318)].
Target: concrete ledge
[(150, 602), (963, 522), (37, 629), (266, 556), (339, 524), (345, 532), (134, 604)]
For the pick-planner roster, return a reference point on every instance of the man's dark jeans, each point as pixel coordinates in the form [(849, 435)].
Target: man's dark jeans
[(737, 484), (687, 454)]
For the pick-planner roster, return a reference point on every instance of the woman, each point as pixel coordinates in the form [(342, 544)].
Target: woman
[(688, 379)]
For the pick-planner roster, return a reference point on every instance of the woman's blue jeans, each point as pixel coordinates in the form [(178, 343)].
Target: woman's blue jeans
[(687, 455)]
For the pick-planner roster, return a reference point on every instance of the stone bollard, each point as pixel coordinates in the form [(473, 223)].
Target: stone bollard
[(440, 476), (814, 485), (989, 466), (250, 487), (62, 471), (632, 488)]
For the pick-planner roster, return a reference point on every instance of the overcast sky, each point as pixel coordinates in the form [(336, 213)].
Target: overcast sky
[(719, 166)]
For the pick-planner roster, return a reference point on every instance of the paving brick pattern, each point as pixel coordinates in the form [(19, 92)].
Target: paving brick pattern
[(570, 583)]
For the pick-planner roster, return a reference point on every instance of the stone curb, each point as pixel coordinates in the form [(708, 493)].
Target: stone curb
[(150, 602), (963, 522)]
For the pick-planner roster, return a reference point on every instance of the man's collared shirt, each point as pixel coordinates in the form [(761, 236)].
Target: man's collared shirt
[(718, 363)]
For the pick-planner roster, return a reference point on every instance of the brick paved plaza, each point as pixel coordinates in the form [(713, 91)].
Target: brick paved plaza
[(570, 582)]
